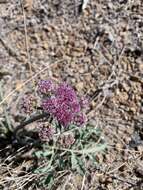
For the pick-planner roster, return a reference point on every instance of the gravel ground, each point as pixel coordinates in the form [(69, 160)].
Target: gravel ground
[(100, 52)]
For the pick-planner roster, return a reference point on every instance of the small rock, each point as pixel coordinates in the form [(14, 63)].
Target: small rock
[(80, 86), (140, 148)]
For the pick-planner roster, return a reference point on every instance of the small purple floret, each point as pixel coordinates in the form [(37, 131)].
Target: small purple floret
[(84, 102), (80, 119), (45, 86), (50, 105)]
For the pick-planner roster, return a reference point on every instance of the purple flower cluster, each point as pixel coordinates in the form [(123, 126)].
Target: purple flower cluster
[(63, 104), (46, 132)]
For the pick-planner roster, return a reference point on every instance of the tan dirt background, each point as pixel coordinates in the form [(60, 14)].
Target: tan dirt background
[(100, 52)]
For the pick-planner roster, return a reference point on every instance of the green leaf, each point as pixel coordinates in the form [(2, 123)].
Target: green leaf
[(77, 164), (96, 148), (44, 169), (49, 181), (93, 160), (47, 153), (74, 162), (40, 154)]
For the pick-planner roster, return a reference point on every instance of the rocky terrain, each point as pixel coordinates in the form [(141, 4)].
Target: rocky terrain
[(98, 50)]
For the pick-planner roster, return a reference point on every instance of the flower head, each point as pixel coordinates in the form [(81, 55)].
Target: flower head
[(63, 105), (45, 86), (50, 105), (66, 92), (46, 132)]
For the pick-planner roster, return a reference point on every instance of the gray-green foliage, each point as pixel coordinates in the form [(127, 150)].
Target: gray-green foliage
[(76, 158)]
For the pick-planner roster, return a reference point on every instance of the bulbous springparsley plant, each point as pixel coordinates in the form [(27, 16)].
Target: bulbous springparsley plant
[(60, 108), (63, 104), (67, 140)]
